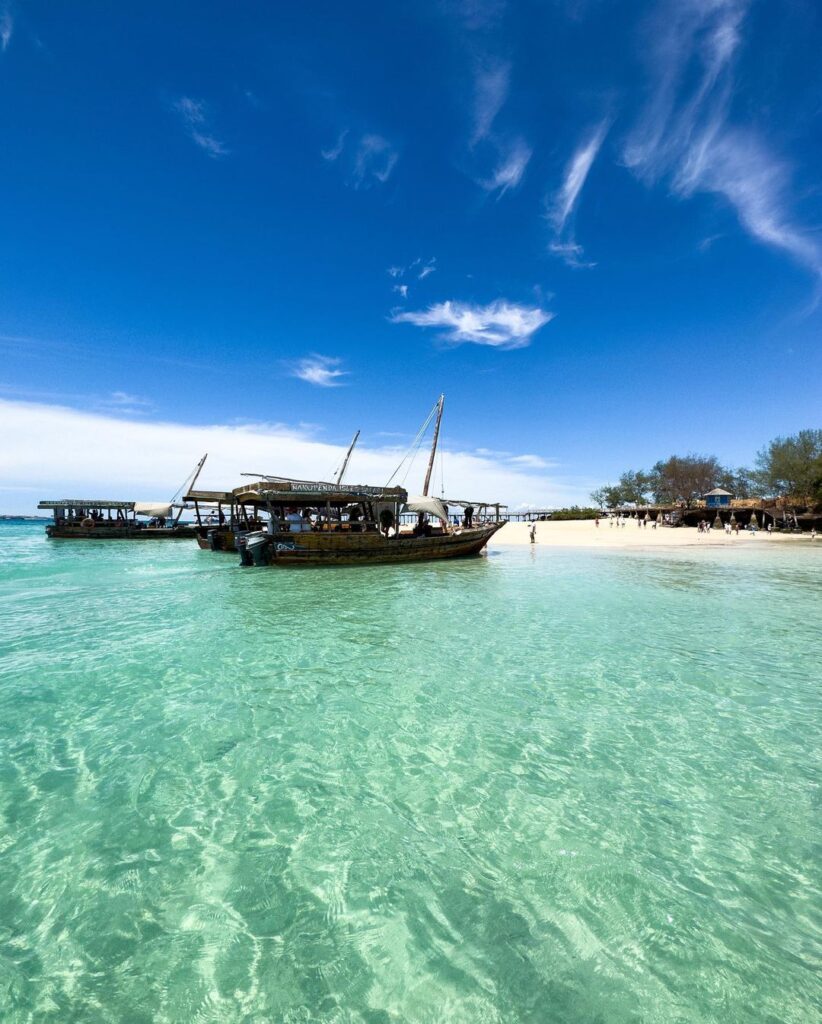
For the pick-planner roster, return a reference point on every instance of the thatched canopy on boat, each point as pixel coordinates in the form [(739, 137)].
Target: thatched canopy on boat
[(99, 503), (278, 491), (210, 497)]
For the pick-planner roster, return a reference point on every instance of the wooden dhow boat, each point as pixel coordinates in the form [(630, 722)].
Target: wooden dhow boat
[(103, 519), (107, 519), (223, 516), (313, 523)]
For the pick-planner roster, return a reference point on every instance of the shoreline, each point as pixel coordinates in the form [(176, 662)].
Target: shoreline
[(583, 533)]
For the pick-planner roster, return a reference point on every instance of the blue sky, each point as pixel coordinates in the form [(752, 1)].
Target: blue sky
[(595, 226)]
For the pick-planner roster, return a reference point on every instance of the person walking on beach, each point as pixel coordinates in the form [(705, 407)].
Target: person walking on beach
[(596, 522), (533, 533), (813, 533)]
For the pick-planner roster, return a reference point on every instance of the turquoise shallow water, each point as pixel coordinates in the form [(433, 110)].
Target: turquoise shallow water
[(544, 786)]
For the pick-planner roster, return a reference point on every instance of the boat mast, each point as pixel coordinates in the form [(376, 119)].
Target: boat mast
[(344, 466), (433, 446), (189, 484)]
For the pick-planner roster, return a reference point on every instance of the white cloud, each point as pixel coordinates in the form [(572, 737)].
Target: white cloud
[(60, 452), (374, 160), (507, 156), (334, 152), (575, 174), (320, 370), (490, 92), (565, 200), (194, 117), (401, 289), (395, 271), (571, 252), (6, 28), (122, 401), (530, 461), (429, 268), (500, 324), (686, 134), (513, 159)]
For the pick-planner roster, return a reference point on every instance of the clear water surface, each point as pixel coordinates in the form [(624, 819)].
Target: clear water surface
[(543, 786)]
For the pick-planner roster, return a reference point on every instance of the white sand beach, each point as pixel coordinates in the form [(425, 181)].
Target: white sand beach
[(585, 534)]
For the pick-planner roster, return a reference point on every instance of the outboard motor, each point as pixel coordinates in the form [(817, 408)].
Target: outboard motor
[(254, 548), (215, 540), (242, 550)]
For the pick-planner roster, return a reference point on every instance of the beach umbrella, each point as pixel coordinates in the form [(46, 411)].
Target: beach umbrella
[(718, 522), (732, 520)]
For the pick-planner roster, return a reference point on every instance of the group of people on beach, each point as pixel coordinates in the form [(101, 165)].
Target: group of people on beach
[(621, 520)]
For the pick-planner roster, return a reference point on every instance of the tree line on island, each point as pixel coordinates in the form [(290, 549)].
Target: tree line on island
[(788, 468)]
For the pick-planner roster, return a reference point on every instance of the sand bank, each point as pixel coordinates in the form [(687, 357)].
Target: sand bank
[(585, 534)]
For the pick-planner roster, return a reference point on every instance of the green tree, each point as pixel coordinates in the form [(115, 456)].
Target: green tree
[(791, 467), (685, 478), (635, 487), (600, 496), (742, 483)]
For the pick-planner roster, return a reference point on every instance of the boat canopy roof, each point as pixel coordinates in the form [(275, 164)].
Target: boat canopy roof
[(86, 503), (315, 492), (209, 496), (473, 504)]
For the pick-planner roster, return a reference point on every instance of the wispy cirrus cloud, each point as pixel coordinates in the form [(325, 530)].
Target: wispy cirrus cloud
[(500, 324), (513, 160), (425, 269), (509, 156), (367, 160), (194, 117), (563, 203), (322, 371), (334, 152), (374, 160), (417, 270), (686, 134), (491, 83), (6, 28)]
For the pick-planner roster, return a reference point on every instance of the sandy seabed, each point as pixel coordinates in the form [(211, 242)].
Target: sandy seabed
[(586, 534)]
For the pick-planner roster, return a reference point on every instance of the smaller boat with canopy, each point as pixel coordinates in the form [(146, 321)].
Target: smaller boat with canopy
[(107, 519)]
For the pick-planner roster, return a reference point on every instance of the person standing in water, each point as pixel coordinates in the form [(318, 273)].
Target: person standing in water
[(533, 533)]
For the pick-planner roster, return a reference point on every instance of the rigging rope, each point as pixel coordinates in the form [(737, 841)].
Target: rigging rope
[(414, 448)]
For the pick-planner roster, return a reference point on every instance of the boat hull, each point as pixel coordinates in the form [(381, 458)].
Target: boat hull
[(120, 532), (344, 548), (216, 539)]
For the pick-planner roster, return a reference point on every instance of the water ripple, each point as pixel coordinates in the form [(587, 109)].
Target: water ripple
[(561, 786)]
